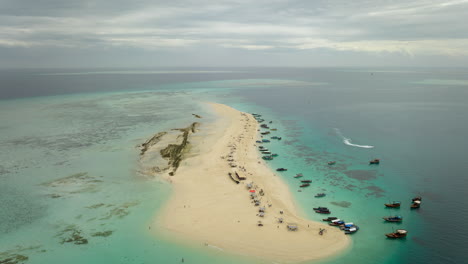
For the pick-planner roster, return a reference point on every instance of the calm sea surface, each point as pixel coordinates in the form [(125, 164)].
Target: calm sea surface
[(69, 156)]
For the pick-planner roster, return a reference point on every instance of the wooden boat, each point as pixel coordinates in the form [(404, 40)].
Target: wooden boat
[(417, 198), (374, 161), (232, 178), (273, 129), (298, 175), (396, 218), (265, 140), (267, 157), (336, 222), (330, 218), (351, 230), (307, 181), (274, 155), (395, 204), (265, 133), (318, 195), (281, 169), (266, 152), (240, 177), (347, 226), (304, 185), (400, 233), (320, 208), (416, 204), (331, 162), (258, 141)]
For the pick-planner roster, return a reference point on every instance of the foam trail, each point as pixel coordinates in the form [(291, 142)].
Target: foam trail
[(347, 141)]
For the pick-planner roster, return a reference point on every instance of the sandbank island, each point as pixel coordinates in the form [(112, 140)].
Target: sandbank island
[(208, 206)]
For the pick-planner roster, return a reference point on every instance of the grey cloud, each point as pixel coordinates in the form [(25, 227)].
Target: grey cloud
[(278, 27)]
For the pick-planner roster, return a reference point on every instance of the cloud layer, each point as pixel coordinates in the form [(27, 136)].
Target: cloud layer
[(370, 28)]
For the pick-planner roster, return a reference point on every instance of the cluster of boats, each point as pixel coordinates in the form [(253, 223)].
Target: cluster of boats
[(348, 228), (322, 210), (267, 155), (416, 203), (400, 233)]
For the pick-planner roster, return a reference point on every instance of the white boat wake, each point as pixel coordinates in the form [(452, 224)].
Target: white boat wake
[(347, 141)]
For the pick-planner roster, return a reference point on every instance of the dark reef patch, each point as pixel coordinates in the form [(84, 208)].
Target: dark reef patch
[(361, 175), (72, 234), (376, 191), (102, 234), (343, 204), (152, 141), (174, 152)]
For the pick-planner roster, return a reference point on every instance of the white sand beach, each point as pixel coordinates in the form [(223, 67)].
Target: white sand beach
[(208, 208)]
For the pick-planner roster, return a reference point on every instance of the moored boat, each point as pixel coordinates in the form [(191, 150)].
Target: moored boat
[(351, 230), (307, 181), (331, 162), (336, 222), (267, 157), (416, 204), (399, 233), (419, 198), (329, 219), (396, 218), (304, 185), (281, 169), (265, 140), (274, 155), (395, 204), (374, 161), (322, 210), (318, 195), (298, 175)]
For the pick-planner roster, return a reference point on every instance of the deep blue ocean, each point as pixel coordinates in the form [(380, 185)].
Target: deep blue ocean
[(69, 161)]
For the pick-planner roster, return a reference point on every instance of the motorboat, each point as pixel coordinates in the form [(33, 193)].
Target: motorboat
[(395, 204), (396, 218), (399, 233)]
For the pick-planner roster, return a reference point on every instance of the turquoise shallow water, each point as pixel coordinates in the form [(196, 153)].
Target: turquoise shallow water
[(69, 157)]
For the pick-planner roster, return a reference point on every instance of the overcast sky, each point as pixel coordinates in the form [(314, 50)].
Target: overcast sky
[(133, 33)]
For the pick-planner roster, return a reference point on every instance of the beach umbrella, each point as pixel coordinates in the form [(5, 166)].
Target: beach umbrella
[(252, 191)]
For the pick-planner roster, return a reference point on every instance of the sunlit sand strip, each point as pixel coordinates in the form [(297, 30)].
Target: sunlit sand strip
[(208, 207)]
